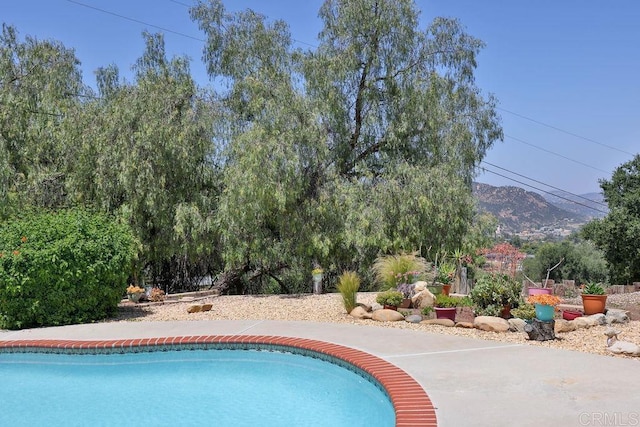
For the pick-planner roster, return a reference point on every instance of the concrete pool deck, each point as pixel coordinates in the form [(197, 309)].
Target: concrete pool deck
[(470, 382)]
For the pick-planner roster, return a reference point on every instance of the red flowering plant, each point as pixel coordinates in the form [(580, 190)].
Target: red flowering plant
[(544, 299)]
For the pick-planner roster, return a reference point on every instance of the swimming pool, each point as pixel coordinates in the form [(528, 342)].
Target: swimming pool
[(200, 387), (409, 402)]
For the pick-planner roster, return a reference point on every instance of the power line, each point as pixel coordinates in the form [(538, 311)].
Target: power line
[(544, 191), (548, 185), (555, 154), (136, 21), (565, 131)]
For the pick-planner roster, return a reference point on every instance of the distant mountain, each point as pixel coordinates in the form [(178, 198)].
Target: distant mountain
[(589, 205), (519, 210)]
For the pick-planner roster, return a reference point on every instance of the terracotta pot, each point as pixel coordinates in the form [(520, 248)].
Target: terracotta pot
[(390, 307), (540, 291), (406, 303), (446, 289), (505, 313), (446, 313), (593, 304)]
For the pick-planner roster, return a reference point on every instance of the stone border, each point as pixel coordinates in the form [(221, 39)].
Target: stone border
[(411, 404)]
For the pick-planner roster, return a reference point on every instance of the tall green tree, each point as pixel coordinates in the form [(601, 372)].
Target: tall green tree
[(145, 151), (40, 85), (379, 129), (618, 234)]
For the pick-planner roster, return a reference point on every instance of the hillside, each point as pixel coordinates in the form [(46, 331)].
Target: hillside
[(521, 211), (586, 208)]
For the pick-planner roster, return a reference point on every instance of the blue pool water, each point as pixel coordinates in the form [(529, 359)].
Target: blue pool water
[(199, 387)]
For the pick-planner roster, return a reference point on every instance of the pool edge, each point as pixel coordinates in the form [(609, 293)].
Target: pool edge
[(411, 404)]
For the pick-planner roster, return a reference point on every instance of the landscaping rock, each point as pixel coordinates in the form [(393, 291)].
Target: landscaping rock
[(616, 316), (414, 318), (516, 325), (582, 322), (206, 307), (366, 307), (360, 313), (620, 347), (441, 322), (598, 319), (467, 325), (194, 309), (565, 325), (423, 298), (375, 306), (491, 324), (386, 315)]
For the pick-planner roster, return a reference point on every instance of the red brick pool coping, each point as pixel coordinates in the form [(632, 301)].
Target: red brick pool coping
[(411, 403)]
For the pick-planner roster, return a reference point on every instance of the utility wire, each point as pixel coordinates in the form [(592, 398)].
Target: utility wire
[(544, 191), (555, 154), (136, 21), (565, 131), (548, 185)]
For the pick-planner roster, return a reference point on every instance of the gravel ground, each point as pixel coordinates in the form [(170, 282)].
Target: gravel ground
[(328, 308)]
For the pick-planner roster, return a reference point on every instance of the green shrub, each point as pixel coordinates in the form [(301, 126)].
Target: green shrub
[(494, 291), (392, 270), (390, 297), (524, 311), (446, 301), (348, 285), (59, 268)]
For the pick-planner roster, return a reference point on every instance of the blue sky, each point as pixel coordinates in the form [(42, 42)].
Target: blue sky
[(564, 72)]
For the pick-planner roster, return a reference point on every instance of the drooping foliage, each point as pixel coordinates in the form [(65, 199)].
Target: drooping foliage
[(362, 147)]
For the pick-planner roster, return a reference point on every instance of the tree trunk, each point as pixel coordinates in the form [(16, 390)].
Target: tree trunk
[(541, 331)]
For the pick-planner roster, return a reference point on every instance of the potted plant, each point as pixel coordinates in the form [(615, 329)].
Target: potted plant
[(446, 306), (408, 291), (134, 293), (444, 275), (390, 299), (594, 299), (317, 274), (525, 311), (545, 306), (495, 294)]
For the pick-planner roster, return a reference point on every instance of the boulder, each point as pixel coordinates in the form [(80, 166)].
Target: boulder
[(491, 324), (565, 325), (386, 315), (360, 313), (598, 319), (516, 325), (420, 286), (194, 309), (206, 307), (423, 299), (616, 316), (620, 347), (366, 307), (467, 325), (414, 318), (375, 306), (441, 322), (582, 322)]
